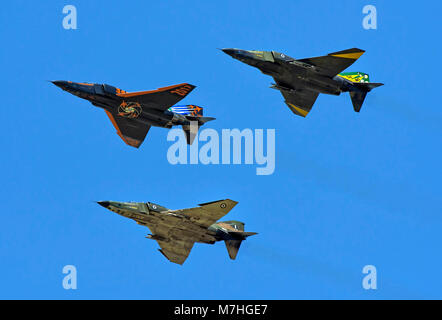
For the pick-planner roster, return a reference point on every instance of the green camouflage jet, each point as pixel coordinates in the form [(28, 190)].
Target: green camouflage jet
[(302, 80), (177, 230)]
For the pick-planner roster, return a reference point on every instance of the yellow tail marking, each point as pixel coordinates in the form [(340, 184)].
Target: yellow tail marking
[(353, 78), (354, 55)]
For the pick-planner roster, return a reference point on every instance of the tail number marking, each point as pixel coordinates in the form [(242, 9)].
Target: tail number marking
[(182, 91)]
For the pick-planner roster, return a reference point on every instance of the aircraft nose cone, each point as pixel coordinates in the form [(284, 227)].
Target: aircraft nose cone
[(60, 83), (238, 54), (229, 51), (104, 204)]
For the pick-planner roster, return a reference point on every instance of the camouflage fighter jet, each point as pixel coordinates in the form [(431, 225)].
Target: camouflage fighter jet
[(301, 80), (133, 113), (177, 230)]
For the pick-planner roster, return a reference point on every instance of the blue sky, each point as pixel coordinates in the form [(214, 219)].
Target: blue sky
[(348, 189)]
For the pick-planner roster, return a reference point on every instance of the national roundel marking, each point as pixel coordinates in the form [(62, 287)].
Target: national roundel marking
[(129, 109), (222, 205)]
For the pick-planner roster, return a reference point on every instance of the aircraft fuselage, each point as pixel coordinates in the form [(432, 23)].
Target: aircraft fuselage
[(161, 217), (105, 96)]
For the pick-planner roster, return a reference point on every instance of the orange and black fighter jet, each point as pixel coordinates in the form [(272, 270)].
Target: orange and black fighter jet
[(133, 113)]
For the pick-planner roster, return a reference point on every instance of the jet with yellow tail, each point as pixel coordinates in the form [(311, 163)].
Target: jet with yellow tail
[(301, 80)]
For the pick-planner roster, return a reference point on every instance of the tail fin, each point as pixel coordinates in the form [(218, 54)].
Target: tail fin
[(357, 98), (238, 225), (188, 110), (359, 77), (233, 247), (191, 131), (359, 91), (238, 236)]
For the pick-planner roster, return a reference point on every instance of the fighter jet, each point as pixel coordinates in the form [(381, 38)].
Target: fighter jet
[(133, 113), (301, 80), (176, 231)]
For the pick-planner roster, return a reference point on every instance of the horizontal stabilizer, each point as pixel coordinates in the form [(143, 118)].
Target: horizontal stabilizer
[(242, 234), (201, 120), (367, 86)]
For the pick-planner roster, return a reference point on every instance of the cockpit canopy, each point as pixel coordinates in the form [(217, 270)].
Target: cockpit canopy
[(281, 56), (155, 207), (107, 89)]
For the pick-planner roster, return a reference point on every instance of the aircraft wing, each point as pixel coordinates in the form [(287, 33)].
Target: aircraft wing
[(160, 99), (208, 213), (176, 251), (174, 241), (132, 132), (333, 63), (300, 101)]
